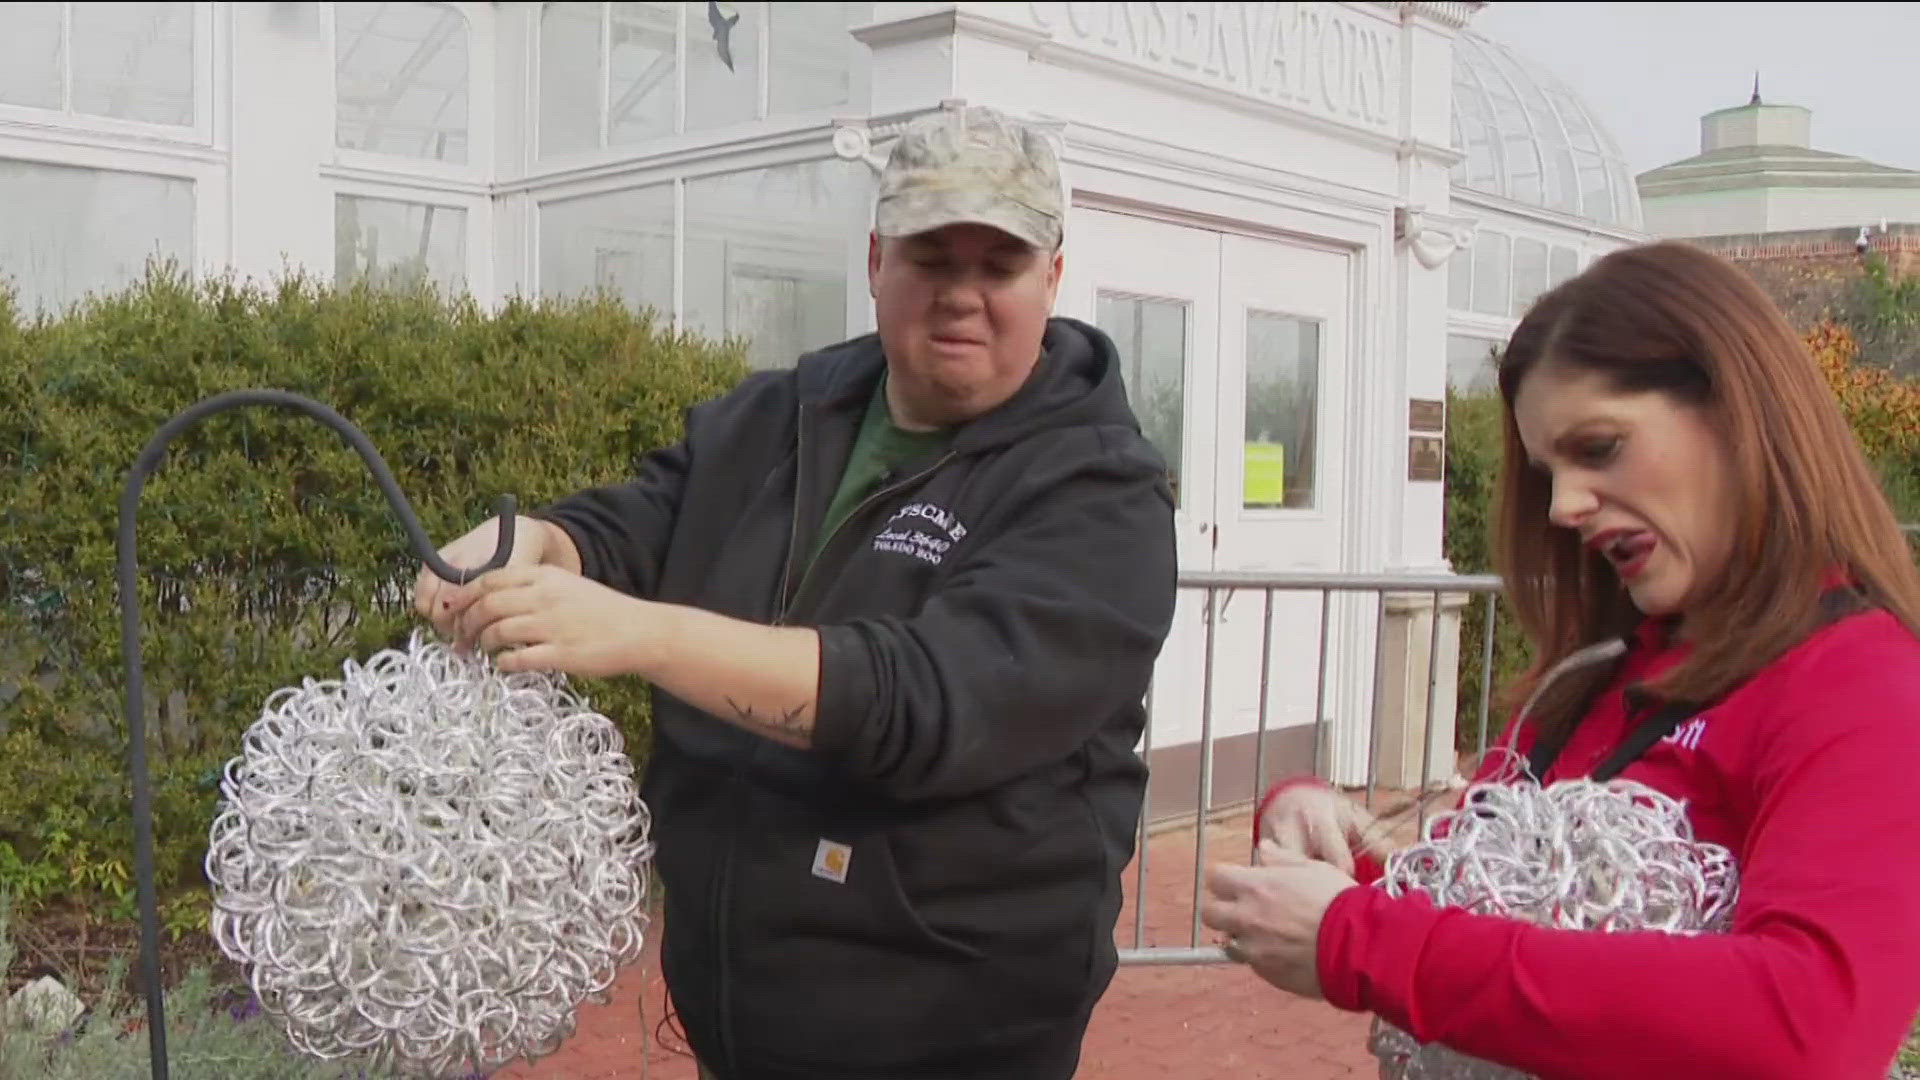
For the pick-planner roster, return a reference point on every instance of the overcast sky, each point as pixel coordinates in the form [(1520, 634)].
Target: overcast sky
[(1651, 69)]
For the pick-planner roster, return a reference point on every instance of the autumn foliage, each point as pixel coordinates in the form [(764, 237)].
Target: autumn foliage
[(1882, 408)]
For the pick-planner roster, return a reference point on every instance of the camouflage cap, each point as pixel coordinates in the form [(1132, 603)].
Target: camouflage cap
[(972, 165)]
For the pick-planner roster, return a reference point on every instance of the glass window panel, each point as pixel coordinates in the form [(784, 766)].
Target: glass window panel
[(1470, 365), (1483, 162), (767, 255), (400, 72), (1596, 196), (1460, 281), (641, 72), (723, 64), (1563, 182), (1490, 273), (810, 55), (1579, 124), (1283, 407), (620, 243), (399, 244), (1621, 180), (1563, 264), (1550, 143), (1151, 335), (70, 231), (1517, 150), (1529, 273), (1474, 114), (570, 90), (1519, 158), (134, 61), (30, 60), (1574, 130)]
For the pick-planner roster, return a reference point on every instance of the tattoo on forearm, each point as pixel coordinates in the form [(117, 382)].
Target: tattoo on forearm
[(795, 721)]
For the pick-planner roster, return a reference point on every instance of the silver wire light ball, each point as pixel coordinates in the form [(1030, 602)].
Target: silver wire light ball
[(1577, 854), (429, 863)]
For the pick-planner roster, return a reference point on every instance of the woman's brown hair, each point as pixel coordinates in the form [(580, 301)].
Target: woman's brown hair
[(1671, 318)]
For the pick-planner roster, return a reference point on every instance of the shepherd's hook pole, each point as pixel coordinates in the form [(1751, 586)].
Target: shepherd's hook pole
[(130, 642)]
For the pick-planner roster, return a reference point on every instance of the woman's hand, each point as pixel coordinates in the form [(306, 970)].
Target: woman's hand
[(1271, 914), (1315, 822)]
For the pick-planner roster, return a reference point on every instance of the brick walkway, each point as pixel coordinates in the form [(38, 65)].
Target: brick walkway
[(1217, 1022)]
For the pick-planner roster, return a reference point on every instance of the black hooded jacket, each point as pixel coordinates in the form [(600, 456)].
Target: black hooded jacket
[(988, 622)]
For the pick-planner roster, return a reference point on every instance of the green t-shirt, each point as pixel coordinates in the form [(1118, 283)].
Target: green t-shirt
[(879, 448)]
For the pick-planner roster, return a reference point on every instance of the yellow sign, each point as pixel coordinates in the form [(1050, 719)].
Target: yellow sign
[(1266, 475)]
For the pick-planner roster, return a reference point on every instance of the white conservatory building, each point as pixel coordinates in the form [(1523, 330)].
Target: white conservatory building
[(1547, 187), (1299, 220)]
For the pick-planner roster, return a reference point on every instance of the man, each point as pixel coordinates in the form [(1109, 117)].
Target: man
[(898, 608)]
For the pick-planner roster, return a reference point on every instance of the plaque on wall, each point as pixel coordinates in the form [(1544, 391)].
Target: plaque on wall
[(1425, 415), (1426, 458)]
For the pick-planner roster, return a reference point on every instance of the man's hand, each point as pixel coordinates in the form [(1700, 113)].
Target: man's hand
[(535, 543), (544, 618), (1271, 914)]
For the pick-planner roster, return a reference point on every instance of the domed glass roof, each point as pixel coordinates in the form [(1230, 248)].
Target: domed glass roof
[(1530, 139)]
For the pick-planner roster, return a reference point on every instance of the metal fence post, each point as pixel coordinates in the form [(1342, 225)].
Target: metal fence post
[(1209, 584)]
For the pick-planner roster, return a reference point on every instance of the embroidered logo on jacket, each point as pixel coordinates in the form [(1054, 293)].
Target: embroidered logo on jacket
[(1687, 736), (922, 530)]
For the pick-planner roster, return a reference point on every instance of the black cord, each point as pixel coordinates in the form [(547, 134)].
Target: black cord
[(148, 461)]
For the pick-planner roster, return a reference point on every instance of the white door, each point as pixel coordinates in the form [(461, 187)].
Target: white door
[(1153, 287), (1234, 350), (1280, 496)]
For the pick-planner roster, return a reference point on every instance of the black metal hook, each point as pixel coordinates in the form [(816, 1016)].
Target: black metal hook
[(143, 467)]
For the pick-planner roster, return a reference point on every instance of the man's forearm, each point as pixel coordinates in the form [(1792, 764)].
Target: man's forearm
[(763, 678), (557, 547)]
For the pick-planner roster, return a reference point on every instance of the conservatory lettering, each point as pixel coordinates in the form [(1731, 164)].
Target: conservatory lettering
[(1310, 56)]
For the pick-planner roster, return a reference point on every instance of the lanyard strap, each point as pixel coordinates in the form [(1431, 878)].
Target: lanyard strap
[(1657, 725), (1658, 722)]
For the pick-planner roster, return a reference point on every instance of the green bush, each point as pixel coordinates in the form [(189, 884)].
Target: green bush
[(1883, 310), (1472, 482), (210, 1036), (267, 553)]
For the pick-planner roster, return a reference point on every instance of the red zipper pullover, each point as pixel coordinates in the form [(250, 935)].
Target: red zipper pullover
[(1807, 773)]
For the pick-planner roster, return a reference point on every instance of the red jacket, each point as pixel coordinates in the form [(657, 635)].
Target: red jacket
[(1808, 774)]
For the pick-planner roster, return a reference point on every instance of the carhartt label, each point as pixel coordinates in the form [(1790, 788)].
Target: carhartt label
[(830, 861)]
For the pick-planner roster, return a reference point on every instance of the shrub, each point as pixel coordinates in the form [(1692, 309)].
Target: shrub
[(209, 1035), (1882, 408), (267, 553), (1883, 309), (1472, 485)]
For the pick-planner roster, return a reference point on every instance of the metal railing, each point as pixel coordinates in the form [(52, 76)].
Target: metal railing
[(1211, 584), (1205, 808)]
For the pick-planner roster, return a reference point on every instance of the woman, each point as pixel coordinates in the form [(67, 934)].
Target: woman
[(1680, 483)]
